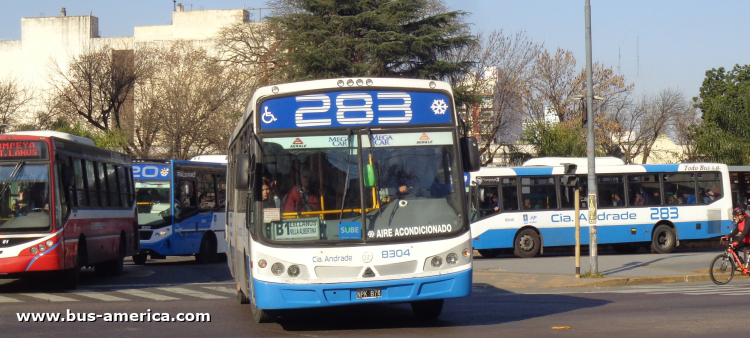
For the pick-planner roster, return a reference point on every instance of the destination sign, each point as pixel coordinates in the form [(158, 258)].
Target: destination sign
[(23, 150), (350, 109)]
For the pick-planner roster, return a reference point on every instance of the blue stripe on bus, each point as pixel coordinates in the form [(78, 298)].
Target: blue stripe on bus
[(608, 234), (290, 296), (533, 171), (656, 168)]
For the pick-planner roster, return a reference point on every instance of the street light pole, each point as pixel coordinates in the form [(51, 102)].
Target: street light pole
[(593, 255)]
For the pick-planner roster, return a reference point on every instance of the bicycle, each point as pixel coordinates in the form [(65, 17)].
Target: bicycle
[(725, 264)]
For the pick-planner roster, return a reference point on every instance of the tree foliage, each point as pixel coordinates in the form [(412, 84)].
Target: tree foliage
[(556, 139), (379, 38), (724, 101), (13, 97)]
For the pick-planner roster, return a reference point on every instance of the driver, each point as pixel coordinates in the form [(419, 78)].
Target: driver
[(302, 197)]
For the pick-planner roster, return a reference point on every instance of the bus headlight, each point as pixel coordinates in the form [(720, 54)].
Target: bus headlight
[(49, 243), (437, 261), (277, 269), (451, 259), (163, 232), (466, 252), (42, 247), (34, 250), (293, 271), (262, 263)]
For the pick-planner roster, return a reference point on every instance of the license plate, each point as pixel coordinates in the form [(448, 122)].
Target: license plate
[(369, 293)]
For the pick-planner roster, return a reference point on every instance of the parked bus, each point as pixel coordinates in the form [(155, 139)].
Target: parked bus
[(651, 205), (181, 208), (349, 191), (64, 204), (740, 178)]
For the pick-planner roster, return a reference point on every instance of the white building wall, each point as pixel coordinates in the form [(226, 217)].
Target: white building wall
[(48, 40)]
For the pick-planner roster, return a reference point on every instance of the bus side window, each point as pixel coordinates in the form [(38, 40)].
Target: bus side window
[(91, 185), (611, 191), (102, 180), (509, 197), (80, 196), (486, 202), (206, 191)]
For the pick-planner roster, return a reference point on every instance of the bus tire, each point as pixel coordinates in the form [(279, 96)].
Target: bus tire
[(489, 253), (140, 259), (260, 315), (527, 243), (663, 239), (116, 266), (207, 252), (69, 277), (427, 309)]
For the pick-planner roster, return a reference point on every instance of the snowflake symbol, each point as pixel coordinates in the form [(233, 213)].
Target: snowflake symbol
[(371, 234), (164, 172), (439, 107)]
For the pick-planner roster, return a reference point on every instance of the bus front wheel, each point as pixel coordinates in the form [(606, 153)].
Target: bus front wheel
[(140, 259), (664, 239), (207, 252), (427, 309), (527, 243), (260, 315)]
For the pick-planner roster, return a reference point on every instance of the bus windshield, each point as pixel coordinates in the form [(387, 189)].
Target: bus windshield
[(24, 203), (153, 200), (311, 187)]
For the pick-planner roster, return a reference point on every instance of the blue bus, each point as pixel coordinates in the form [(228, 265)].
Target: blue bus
[(180, 206), (350, 191)]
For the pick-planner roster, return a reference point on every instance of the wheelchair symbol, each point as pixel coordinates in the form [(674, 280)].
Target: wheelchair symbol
[(268, 117)]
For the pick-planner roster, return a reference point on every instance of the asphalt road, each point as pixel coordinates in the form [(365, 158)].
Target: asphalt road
[(179, 285)]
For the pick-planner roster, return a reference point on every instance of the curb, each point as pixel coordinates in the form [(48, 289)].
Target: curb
[(643, 281)]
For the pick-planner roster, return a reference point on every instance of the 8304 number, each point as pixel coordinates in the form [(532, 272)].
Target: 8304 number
[(395, 253)]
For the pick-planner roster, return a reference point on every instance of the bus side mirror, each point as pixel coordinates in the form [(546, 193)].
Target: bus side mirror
[(470, 154), (241, 178), (369, 176)]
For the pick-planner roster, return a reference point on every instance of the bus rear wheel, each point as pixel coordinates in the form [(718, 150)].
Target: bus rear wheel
[(664, 239), (527, 243), (427, 309)]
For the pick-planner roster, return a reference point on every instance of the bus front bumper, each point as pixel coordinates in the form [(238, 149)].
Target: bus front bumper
[(270, 296)]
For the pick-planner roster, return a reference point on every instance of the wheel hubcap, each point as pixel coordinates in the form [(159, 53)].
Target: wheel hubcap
[(526, 243)]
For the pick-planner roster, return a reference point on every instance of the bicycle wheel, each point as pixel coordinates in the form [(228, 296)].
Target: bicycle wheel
[(722, 269)]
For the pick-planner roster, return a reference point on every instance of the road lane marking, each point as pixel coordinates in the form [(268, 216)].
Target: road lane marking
[(192, 293), (222, 289), (48, 297), (9, 300), (146, 294), (100, 296)]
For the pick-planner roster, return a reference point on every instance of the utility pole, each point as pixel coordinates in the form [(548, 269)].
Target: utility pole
[(593, 255)]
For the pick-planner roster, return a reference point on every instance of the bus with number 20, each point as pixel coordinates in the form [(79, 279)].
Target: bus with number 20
[(65, 204), (349, 191)]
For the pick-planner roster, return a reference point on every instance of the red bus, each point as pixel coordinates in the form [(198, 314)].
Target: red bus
[(65, 204)]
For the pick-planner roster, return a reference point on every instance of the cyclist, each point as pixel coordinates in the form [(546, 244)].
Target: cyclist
[(741, 240)]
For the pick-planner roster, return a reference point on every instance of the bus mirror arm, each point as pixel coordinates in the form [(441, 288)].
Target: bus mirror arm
[(257, 177), (470, 154)]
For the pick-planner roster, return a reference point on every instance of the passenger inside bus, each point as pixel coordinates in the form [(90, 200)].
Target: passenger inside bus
[(303, 197)]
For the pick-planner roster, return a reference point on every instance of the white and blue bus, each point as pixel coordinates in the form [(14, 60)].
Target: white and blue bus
[(651, 205), (181, 208), (349, 191)]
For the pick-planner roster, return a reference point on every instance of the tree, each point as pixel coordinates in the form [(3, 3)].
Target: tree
[(493, 89), (97, 86), (14, 96), (383, 38), (189, 105), (556, 139), (724, 102)]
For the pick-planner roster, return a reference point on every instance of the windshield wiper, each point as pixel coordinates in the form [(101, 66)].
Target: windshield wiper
[(12, 176)]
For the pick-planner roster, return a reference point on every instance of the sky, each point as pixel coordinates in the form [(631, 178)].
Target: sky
[(655, 44)]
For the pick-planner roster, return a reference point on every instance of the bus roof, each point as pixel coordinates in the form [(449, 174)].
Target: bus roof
[(52, 133), (579, 161), (210, 158)]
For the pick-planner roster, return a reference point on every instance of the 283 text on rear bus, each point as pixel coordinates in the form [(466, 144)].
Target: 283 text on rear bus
[(349, 191)]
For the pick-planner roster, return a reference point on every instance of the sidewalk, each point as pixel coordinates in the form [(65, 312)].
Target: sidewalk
[(559, 271)]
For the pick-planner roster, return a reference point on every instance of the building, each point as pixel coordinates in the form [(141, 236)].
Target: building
[(49, 41)]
